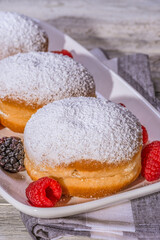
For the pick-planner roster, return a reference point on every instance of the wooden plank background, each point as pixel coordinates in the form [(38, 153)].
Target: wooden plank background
[(121, 27)]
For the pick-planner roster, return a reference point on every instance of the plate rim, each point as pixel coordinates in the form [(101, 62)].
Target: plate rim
[(53, 212), (96, 203), (108, 69)]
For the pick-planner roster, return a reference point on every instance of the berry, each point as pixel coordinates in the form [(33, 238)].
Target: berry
[(151, 161), (144, 130), (122, 104), (144, 134), (63, 52), (45, 192), (11, 154)]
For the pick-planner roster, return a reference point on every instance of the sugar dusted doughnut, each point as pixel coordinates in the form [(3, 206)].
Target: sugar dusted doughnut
[(91, 146), (29, 81), (19, 33)]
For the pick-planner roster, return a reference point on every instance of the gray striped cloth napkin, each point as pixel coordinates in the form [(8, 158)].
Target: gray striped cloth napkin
[(133, 220)]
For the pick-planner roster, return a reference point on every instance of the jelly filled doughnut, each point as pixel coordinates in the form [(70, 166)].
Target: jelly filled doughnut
[(29, 81), (19, 33), (91, 146)]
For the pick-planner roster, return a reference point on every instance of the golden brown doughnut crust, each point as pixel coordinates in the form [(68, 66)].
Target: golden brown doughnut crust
[(26, 91), (15, 115), (88, 178)]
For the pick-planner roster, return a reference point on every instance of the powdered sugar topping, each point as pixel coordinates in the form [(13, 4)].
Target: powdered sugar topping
[(82, 128), (19, 33), (42, 77)]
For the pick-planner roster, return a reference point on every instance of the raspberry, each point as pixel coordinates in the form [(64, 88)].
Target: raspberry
[(122, 104), (45, 192), (145, 135), (63, 52), (12, 154), (144, 130), (151, 161)]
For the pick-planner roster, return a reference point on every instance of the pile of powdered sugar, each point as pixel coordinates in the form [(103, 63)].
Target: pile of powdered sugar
[(82, 128), (19, 33), (42, 77)]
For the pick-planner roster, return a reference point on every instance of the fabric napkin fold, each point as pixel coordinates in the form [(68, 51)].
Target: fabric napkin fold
[(99, 224), (136, 219)]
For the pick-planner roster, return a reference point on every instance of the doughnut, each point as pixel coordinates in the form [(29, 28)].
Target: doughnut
[(90, 145), (19, 33), (31, 80)]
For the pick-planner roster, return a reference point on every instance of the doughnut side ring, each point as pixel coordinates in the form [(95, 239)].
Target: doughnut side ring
[(89, 184), (91, 146), (31, 80)]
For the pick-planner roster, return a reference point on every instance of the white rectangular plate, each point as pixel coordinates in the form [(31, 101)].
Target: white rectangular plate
[(110, 86)]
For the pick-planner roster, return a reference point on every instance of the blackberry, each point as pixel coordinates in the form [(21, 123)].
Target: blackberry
[(12, 154)]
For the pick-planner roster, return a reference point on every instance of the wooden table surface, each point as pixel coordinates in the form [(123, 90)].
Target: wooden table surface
[(121, 27)]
